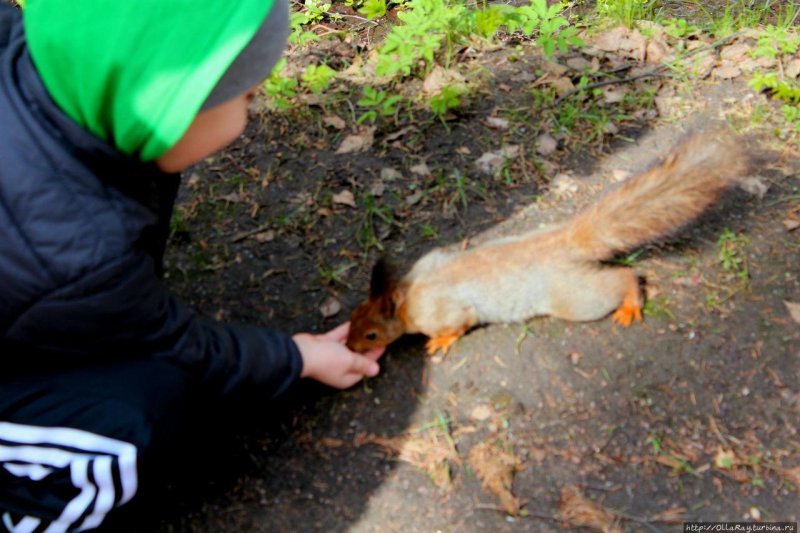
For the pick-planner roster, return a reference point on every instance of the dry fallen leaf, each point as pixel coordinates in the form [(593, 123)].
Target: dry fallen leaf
[(265, 236), (430, 451), (613, 94), (357, 142), (794, 310), (334, 122), (495, 467), (421, 170), (724, 459), (481, 412), (390, 174), (791, 224), (673, 515), (330, 307), (546, 144), (344, 198), (578, 510), (497, 123), (793, 475), (624, 41), (727, 71)]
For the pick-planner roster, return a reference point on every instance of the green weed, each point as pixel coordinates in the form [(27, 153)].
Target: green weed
[(627, 11), (377, 103), (317, 78), (279, 88)]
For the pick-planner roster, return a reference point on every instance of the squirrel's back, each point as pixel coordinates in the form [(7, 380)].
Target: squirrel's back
[(661, 200)]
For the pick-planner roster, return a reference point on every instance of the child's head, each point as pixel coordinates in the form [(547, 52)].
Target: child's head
[(162, 80)]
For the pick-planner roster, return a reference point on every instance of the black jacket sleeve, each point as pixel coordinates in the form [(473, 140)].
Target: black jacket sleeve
[(123, 310)]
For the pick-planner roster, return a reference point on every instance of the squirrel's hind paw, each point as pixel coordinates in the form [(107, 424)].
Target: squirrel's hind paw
[(627, 313)]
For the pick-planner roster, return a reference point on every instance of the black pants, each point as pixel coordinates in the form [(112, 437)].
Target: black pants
[(77, 443)]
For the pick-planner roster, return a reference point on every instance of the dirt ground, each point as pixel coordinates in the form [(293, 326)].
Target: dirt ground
[(691, 415)]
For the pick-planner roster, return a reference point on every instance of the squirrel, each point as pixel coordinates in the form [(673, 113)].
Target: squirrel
[(557, 272)]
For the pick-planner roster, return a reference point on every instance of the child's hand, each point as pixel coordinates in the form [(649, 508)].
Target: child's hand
[(329, 361)]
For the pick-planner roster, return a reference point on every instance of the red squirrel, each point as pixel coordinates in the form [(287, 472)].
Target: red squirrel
[(558, 271)]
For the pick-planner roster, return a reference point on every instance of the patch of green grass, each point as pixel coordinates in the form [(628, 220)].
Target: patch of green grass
[(373, 210), (658, 307), (628, 12), (732, 257), (331, 275)]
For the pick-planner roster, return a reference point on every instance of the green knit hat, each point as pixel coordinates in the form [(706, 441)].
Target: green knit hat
[(135, 73)]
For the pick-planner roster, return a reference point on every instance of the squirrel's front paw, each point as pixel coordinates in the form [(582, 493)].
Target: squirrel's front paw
[(443, 342)]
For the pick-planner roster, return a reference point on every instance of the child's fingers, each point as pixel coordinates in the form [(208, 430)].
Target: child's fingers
[(363, 365)]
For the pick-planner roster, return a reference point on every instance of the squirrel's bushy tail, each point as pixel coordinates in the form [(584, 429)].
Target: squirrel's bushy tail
[(661, 200)]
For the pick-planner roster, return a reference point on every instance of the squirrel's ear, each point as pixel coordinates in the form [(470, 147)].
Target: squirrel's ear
[(381, 281)]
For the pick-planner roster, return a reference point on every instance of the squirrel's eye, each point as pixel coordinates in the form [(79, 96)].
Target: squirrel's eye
[(371, 336)]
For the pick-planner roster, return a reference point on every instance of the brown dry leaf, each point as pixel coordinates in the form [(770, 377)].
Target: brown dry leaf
[(727, 71), (357, 142), (481, 412), (793, 475), (331, 442), (624, 41), (546, 144), (613, 94), (792, 70), (791, 224), (439, 78), (264, 236), (421, 170), (334, 122), (702, 65), (794, 310), (578, 510), (672, 515), (736, 52), (344, 198), (495, 467), (431, 452), (657, 50), (497, 123), (725, 459), (562, 85), (330, 307)]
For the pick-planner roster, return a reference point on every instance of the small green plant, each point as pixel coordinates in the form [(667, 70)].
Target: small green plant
[(776, 41), (377, 103), (627, 11), (679, 28), (779, 43), (279, 88), (316, 78), (552, 29), (427, 231), (447, 99), (373, 9)]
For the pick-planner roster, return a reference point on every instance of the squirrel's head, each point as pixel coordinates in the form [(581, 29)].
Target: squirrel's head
[(374, 323)]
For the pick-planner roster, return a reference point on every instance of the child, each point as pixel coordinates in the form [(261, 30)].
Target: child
[(101, 103)]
